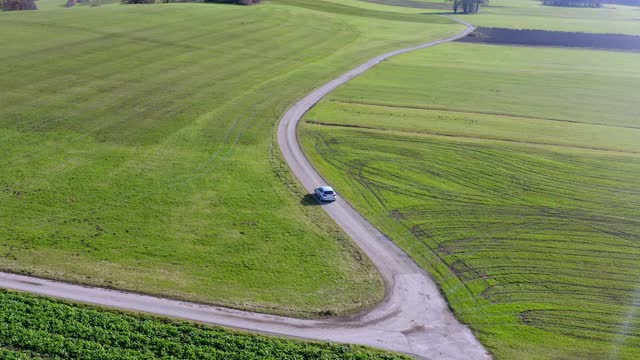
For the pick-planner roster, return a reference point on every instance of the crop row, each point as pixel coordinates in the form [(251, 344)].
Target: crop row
[(35, 326)]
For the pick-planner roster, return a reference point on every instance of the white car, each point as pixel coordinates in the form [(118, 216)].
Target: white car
[(325, 193)]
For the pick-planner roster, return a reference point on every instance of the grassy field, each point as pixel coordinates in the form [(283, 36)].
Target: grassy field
[(367, 10), (511, 175), (530, 14), (384, 7), (138, 149), (59, 330)]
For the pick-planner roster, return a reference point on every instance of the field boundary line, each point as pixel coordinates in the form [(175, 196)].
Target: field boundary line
[(462, 111), (424, 133)]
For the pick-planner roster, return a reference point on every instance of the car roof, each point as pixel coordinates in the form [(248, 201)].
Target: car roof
[(326, 188)]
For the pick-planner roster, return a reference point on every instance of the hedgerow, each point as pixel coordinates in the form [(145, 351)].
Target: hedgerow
[(33, 326)]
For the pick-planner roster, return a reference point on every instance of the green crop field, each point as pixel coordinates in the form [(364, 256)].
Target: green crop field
[(37, 328), (512, 175), (138, 148), (530, 14)]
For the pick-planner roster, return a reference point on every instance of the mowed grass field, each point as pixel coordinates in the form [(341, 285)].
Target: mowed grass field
[(512, 175), (390, 6), (138, 148)]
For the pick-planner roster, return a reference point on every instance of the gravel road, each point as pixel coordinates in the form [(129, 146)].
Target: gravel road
[(413, 318)]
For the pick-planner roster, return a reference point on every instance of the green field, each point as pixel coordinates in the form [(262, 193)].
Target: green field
[(512, 175), (530, 14), (382, 7), (138, 149), (59, 330)]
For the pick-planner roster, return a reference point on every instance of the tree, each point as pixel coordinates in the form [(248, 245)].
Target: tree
[(456, 5), (467, 6), (17, 5)]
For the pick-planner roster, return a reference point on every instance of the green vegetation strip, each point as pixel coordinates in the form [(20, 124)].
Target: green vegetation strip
[(512, 176), (143, 157), (35, 327)]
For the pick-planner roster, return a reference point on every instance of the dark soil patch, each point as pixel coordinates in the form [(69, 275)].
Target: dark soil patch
[(413, 4), (553, 38)]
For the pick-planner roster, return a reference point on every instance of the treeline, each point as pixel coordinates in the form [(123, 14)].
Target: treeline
[(238, 2), (622, 2), (17, 5), (553, 38)]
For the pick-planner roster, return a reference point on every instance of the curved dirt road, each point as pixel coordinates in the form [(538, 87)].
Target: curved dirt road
[(413, 318)]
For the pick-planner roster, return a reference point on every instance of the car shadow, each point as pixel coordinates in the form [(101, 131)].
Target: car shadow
[(310, 200)]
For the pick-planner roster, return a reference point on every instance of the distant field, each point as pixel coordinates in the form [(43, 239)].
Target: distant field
[(530, 14), (417, 5), (385, 5), (512, 176), (365, 10), (37, 328), (138, 149)]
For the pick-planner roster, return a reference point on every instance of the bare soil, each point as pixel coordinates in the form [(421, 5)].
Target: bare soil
[(553, 38)]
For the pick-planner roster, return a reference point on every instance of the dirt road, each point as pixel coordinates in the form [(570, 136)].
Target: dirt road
[(414, 317)]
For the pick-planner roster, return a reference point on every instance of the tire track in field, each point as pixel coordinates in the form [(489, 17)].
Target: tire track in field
[(473, 137), (464, 111), (544, 235)]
